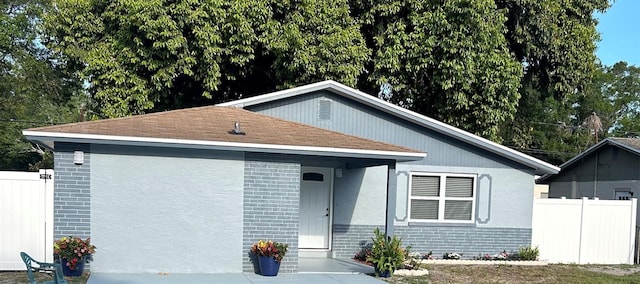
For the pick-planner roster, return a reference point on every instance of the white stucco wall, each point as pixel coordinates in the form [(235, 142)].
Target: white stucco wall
[(166, 214), (360, 196), (504, 197)]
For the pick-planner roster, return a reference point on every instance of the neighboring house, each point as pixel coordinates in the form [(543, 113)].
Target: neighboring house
[(608, 170), (541, 190), (318, 167)]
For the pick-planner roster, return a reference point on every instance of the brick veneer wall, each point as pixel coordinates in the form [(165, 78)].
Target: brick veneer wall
[(271, 209), (348, 239), (468, 240), (72, 195)]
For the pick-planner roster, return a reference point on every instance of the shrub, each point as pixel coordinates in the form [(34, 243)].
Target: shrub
[(387, 254), (528, 253), (364, 252)]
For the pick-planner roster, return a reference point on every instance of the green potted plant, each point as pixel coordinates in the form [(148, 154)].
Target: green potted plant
[(73, 252), (387, 254), (269, 255)]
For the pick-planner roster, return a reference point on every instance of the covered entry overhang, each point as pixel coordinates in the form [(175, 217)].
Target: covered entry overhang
[(372, 153), (207, 160)]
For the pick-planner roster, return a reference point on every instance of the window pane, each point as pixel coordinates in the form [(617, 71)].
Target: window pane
[(457, 210), (313, 176), (424, 209), (425, 186), (459, 187)]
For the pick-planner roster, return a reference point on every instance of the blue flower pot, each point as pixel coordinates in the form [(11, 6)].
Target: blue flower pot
[(384, 274), (268, 265), (66, 271)]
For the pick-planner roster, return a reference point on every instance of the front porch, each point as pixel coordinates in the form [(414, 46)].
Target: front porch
[(311, 270), (310, 265), (240, 278)]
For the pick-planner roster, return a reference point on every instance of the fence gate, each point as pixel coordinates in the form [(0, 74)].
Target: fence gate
[(26, 217), (584, 231)]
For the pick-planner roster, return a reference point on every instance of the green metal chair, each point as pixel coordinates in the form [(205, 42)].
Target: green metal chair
[(56, 268)]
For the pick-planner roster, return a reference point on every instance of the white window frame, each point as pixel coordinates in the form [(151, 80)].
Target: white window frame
[(442, 198)]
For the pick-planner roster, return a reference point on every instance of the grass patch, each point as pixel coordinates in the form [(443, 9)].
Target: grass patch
[(556, 273), (19, 277)]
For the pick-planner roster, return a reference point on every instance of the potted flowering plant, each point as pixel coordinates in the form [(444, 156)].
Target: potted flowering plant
[(73, 253), (269, 255), (387, 254)]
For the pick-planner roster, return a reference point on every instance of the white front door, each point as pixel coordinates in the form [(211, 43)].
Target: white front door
[(315, 197)]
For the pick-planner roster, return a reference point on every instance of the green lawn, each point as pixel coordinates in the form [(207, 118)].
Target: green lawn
[(526, 274)]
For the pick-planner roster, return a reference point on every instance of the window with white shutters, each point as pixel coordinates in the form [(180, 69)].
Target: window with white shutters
[(442, 197)]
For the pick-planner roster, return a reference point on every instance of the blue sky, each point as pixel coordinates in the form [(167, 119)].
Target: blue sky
[(619, 29)]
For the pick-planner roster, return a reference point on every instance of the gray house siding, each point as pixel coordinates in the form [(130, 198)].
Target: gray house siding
[(271, 209), (470, 241), (359, 201), (349, 239), (354, 118), (72, 208), (174, 208), (504, 202), (617, 170), (504, 196), (613, 164)]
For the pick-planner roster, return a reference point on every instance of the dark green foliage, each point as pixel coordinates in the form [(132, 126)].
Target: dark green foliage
[(142, 56), (528, 253), (555, 42), (445, 59), (387, 253), (519, 72), (35, 87)]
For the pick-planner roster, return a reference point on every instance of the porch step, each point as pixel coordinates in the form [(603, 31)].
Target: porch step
[(313, 253)]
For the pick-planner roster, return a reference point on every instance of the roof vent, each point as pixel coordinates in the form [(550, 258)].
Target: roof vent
[(236, 129), (324, 109)]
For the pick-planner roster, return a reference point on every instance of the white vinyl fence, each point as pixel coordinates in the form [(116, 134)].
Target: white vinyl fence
[(26, 217), (584, 231)]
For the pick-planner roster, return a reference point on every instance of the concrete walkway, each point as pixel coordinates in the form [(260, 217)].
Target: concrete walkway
[(310, 271), (243, 278)]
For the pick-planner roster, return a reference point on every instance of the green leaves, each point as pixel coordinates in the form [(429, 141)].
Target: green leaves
[(141, 56), (387, 253), (446, 59), (35, 89), (508, 70)]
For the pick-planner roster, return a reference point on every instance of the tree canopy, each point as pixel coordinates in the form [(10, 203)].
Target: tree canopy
[(520, 72), (446, 59), (555, 41), (142, 56), (35, 88)]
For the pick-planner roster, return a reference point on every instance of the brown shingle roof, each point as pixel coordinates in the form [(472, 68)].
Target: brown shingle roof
[(212, 123), (631, 142)]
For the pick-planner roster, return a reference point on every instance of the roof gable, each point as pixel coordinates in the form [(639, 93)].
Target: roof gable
[(211, 127), (631, 145), (539, 166)]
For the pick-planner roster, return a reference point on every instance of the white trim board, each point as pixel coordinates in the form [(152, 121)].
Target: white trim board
[(220, 145)]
